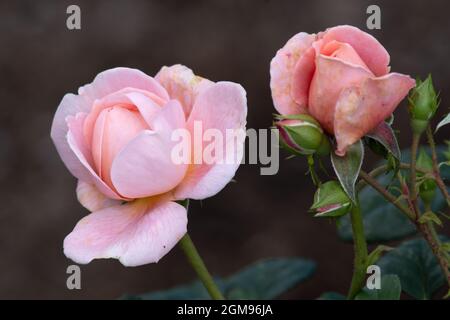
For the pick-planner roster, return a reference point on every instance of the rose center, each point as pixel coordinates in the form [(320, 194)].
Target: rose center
[(345, 52), (113, 129)]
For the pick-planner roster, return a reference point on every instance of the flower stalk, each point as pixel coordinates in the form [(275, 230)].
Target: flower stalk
[(360, 251), (428, 232), (413, 177), (199, 267), (437, 176)]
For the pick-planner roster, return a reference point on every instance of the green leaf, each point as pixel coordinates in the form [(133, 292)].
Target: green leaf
[(430, 217), (332, 296), (382, 220), (375, 255), (417, 267), (443, 122), (385, 135), (266, 279), (347, 167), (391, 289)]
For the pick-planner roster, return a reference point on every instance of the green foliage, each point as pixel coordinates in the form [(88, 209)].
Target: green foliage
[(375, 255), (427, 187), (382, 220), (263, 280), (443, 122), (391, 289), (430, 217), (347, 168), (447, 152), (386, 139), (332, 296), (416, 266)]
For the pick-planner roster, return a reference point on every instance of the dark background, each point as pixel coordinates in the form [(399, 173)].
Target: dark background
[(257, 217)]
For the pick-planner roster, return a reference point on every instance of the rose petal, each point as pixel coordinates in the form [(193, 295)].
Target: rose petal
[(369, 49), (344, 52), (69, 106), (105, 83), (75, 128), (302, 76), (146, 102), (331, 77), (113, 80), (182, 84), (76, 143), (92, 199), (145, 166), (282, 69), (147, 106), (222, 106), (136, 233), (361, 108), (114, 129)]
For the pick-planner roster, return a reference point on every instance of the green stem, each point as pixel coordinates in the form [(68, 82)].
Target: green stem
[(360, 248), (198, 265), (436, 172), (383, 168), (386, 194), (413, 177), (429, 233), (312, 171)]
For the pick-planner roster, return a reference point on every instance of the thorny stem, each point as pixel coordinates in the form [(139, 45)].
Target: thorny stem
[(428, 233), (436, 173), (435, 245), (360, 249), (386, 194), (413, 176), (383, 168)]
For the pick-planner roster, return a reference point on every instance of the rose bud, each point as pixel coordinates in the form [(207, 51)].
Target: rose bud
[(330, 200), (342, 78), (427, 188), (302, 135), (423, 103)]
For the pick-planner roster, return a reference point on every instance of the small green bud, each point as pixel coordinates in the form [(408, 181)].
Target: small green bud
[(427, 189), (330, 200), (423, 103), (302, 135)]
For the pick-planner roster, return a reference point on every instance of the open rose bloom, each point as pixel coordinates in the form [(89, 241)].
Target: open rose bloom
[(115, 136), (341, 78)]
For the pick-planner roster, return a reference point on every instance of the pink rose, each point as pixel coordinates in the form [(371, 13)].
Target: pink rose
[(115, 137), (340, 77)]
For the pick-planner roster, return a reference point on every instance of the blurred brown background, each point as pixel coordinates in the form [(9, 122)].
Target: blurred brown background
[(257, 217)]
